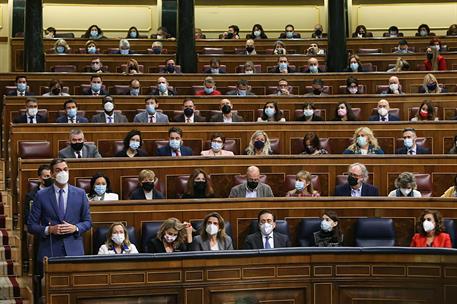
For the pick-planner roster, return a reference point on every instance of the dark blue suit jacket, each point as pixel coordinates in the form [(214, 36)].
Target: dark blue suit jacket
[(367, 190), (166, 151), (79, 119), (44, 213), (138, 194), (419, 150), (376, 117)]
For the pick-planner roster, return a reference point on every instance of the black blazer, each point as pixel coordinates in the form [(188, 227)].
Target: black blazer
[(156, 246), (208, 71), (294, 36), (219, 117), (289, 70), (138, 194), (14, 93), (89, 92), (419, 150), (367, 190), (156, 92), (255, 240), (123, 153), (390, 116), (315, 118), (79, 119), (23, 119), (197, 118), (166, 151)]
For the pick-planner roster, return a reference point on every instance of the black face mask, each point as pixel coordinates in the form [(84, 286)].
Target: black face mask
[(147, 186), (188, 112), (252, 184), (229, 35), (157, 50), (310, 149), (48, 182), (199, 187), (317, 91), (56, 91), (429, 56), (170, 68), (226, 109), (318, 32), (77, 146), (249, 49), (352, 181), (258, 144)]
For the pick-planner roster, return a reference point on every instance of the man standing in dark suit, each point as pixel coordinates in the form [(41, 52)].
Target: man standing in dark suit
[(22, 88), (383, 114), (409, 144), (96, 86), (44, 177), (108, 115), (31, 113), (71, 113), (78, 148), (189, 115), (226, 115), (266, 237), (175, 146), (356, 185)]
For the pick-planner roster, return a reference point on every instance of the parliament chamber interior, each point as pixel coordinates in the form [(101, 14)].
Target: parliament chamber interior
[(228, 152)]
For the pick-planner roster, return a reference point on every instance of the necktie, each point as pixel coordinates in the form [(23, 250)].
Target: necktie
[(187, 120), (31, 119), (60, 205), (78, 154), (383, 118), (72, 120), (151, 118), (21, 94), (178, 153), (410, 152), (110, 120), (267, 243)]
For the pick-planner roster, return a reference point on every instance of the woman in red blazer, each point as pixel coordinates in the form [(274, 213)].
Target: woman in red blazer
[(431, 231)]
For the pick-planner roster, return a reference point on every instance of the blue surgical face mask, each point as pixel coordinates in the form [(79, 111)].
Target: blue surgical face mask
[(174, 144), (60, 49), (124, 52), (94, 33), (134, 145), (289, 34), (133, 34), (242, 92), (96, 87), (216, 146), (283, 65), (270, 112), (134, 92), (21, 87), (72, 112), (91, 50), (151, 109), (100, 189), (361, 141), (313, 69), (408, 142), (209, 90), (354, 66), (299, 185), (163, 87)]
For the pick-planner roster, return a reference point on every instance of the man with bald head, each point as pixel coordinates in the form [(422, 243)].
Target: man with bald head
[(394, 87), (252, 187), (382, 113), (356, 185), (313, 66), (162, 88), (226, 115)]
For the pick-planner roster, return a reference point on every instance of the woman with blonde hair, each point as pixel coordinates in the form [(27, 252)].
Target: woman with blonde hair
[(212, 235), (303, 186), (430, 85), (405, 185), (364, 142), (117, 241), (132, 67), (61, 47), (259, 144), (172, 236)]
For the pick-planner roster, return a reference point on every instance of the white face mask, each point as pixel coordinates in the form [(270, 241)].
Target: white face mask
[(118, 238), (393, 87), (326, 226), (266, 228), (62, 177), (308, 112), (382, 111), (211, 229), (32, 111), (109, 106), (428, 226), (170, 238), (405, 191), (353, 90)]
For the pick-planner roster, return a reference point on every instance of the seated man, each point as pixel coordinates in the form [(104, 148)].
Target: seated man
[(96, 66), (162, 88), (283, 66), (147, 182), (252, 187), (232, 32), (318, 89), (175, 146), (170, 66), (313, 66), (31, 113), (283, 88), (402, 48), (189, 115), (409, 144), (250, 47), (71, 113), (44, 177), (383, 114), (151, 115), (209, 88), (242, 89), (108, 115), (289, 33), (394, 87), (214, 67), (226, 115), (135, 87), (22, 89), (96, 86), (78, 148), (266, 237), (318, 32), (356, 185), (157, 47)]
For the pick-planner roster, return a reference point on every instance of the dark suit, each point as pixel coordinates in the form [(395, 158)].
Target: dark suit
[(166, 151), (156, 92), (101, 118), (45, 212), (89, 92), (138, 194), (309, 71), (315, 118), (24, 119), (156, 246), (219, 117), (419, 150), (15, 93), (255, 240), (79, 119), (294, 36), (208, 71), (235, 93), (123, 153), (376, 117), (182, 118), (367, 190), (88, 151), (289, 69)]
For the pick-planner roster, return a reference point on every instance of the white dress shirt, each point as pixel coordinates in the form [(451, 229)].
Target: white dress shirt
[(107, 118), (250, 193), (189, 119), (154, 118), (227, 119), (356, 192)]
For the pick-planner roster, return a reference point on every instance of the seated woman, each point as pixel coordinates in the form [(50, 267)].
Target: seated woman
[(61, 47), (430, 85), (55, 89), (117, 241), (132, 67), (452, 30), (354, 64), (406, 186), (257, 33), (259, 144), (330, 234), (426, 112), (303, 186), (100, 189), (392, 32), (132, 145), (91, 47), (173, 236), (279, 48), (271, 113), (400, 65), (452, 190), (199, 185), (431, 231), (249, 67), (217, 145), (94, 32), (361, 32), (147, 182), (309, 113), (314, 50), (344, 112), (453, 150), (363, 142), (133, 33), (312, 144), (434, 61), (423, 31), (212, 235), (352, 85)]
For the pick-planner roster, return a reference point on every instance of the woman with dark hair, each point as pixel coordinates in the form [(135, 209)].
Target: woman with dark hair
[(426, 112), (312, 144), (55, 89), (271, 113), (354, 64), (132, 145), (217, 145), (173, 236), (352, 85), (199, 185), (257, 32), (212, 235), (330, 234), (133, 33), (117, 241), (452, 190), (162, 33), (452, 31), (344, 112), (431, 231), (424, 30), (100, 189), (309, 113), (393, 32), (361, 32), (94, 32)]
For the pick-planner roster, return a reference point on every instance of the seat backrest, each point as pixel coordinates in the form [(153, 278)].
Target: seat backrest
[(392, 111), (129, 183), (163, 68), (181, 185), (239, 179), (289, 182), (369, 67), (240, 68), (148, 232), (123, 68), (275, 145), (362, 89), (298, 113), (34, 149), (119, 89), (281, 226), (384, 87), (83, 183), (63, 68), (413, 111), (374, 232), (230, 144), (99, 237), (357, 113), (424, 184), (222, 68), (325, 89), (212, 50), (369, 51), (305, 231), (450, 227)]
